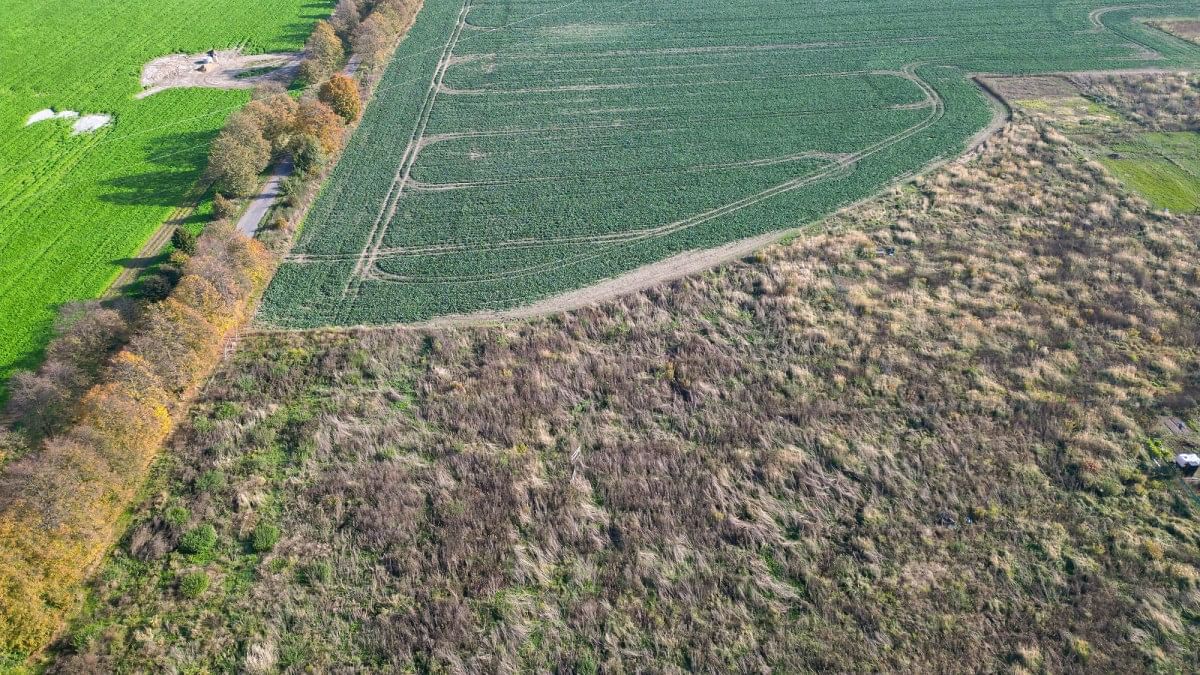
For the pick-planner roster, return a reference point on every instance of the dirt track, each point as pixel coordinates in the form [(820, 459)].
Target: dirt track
[(157, 242), (230, 70)]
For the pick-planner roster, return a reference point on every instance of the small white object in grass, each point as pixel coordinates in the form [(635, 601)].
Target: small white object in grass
[(90, 123), (39, 116), (49, 114)]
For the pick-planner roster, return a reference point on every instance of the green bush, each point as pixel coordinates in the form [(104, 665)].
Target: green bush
[(83, 638), (315, 573), (193, 584), (265, 536), (155, 287), (199, 540), (177, 515), (210, 481), (291, 188), (308, 155), (183, 241)]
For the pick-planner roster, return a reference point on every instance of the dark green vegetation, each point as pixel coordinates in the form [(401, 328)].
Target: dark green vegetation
[(924, 441), (520, 148)]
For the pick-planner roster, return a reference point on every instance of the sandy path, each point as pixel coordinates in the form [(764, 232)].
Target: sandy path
[(1096, 16), (230, 70), (1001, 115)]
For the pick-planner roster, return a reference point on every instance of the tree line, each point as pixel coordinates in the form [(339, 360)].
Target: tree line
[(89, 422)]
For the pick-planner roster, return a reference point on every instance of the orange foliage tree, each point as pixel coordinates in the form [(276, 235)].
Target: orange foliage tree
[(60, 506), (340, 92)]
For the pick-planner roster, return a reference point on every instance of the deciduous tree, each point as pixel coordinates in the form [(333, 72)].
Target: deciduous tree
[(345, 18), (323, 53), (340, 92), (318, 120), (239, 154)]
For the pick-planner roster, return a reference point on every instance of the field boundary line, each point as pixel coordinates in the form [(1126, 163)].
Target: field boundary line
[(659, 272)]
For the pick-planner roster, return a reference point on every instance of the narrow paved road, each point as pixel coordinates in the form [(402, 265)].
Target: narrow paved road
[(262, 202)]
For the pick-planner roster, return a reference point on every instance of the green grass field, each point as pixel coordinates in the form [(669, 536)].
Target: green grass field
[(73, 206), (521, 148), (1163, 167)]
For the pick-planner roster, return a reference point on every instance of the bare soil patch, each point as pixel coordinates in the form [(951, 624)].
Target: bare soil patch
[(1187, 29), (49, 114), (1038, 86), (89, 123), (229, 69)]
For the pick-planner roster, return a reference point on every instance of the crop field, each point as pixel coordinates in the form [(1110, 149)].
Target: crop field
[(73, 206), (520, 148)]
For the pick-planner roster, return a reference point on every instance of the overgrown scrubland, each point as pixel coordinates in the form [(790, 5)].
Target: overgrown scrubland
[(1159, 101), (922, 440)]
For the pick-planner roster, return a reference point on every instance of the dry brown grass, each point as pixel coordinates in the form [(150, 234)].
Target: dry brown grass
[(1165, 102), (920, 442)]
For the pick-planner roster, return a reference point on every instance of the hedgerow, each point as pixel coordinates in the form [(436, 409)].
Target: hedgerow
[(63, 502)]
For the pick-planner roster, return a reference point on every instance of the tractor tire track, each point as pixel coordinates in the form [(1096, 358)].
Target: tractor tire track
[(842, 166), (388, 209)]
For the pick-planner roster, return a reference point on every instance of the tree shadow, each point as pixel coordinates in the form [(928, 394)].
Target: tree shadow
[(297, 32), (140, 263), (31, 358), (182, 157)]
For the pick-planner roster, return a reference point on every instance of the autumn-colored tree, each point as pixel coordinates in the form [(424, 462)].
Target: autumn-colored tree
[(318, 120), (41, 401), (136, 375), (323, 53), (375, 36), (371, 39), (397, 12), (276, 115), (239, 154), (341, 93), (86, 334), (345, 18), (199, 294), (223, 207), (190, 337)]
